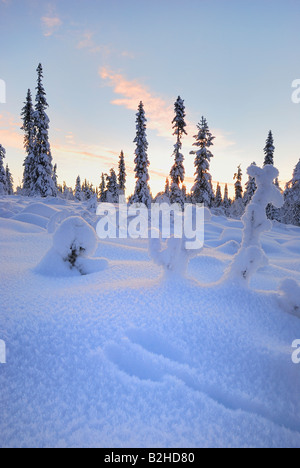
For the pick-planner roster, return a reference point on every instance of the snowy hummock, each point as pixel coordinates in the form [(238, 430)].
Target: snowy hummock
[(120, 358)]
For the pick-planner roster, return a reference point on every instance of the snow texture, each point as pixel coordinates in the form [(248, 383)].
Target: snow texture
[(119, 358)]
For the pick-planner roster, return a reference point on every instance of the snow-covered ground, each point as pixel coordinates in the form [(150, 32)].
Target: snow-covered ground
[(123, 357)]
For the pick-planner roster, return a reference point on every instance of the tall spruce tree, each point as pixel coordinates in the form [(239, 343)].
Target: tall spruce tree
[(29, 139), (238, 185), (178, 172), (291, 208), (42, 175), (122, 174), (102, 189), (251, 188), (269, 150), (112, 194), (3, 184), (202, 191), (78, 192), (54, 178), (218, 198), (226, 201), (9, 181), (142, 190)]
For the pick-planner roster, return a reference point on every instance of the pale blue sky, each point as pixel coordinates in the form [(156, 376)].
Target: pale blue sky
[(231, 61)]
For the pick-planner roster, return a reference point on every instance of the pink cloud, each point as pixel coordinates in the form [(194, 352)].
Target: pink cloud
[(50, 24), (10, 133), (158, 112)]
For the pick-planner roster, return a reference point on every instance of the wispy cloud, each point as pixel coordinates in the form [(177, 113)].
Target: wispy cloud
[(51, 23), (87, 42), (10, 133), (159, 111)]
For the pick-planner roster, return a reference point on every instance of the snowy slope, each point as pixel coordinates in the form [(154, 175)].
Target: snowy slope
[(124, 358)]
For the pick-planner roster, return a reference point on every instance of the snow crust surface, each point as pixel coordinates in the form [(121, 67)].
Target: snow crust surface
[(124, 356)]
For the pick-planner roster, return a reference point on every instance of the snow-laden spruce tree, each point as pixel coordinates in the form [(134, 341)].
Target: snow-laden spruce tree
[(102, 189), (177, 172), (218, 198), (9, 181), (42, 175), (290, 212), (54, 178), (3, 184), (29, 138), (142, 191), (202, 190), (122, 174), (250, 189), (269, 150), (78, 192), (112, 189), (226, 201), (251, 256), (238, 184), (3, 181)]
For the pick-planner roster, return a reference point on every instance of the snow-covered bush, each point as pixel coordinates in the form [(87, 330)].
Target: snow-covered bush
[(74, 243), (75, 238), (289, 297), (172, 255), (251, 256)]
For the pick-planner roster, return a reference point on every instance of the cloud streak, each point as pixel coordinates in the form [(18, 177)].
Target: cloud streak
[(50, 24), (159, 112)]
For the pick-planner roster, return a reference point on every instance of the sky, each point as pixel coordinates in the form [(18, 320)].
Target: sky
[(232, 62)]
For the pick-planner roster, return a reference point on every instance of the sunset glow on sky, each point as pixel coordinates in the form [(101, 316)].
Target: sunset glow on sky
[(231, 61)]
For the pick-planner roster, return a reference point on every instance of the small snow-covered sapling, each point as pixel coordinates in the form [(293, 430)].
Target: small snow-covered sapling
[(251, 256), (73, 239)]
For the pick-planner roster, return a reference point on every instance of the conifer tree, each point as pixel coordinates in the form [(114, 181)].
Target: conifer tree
[(251, 188), (291, 207), (142, 190), (102, 189), (42, 175), (78, 191), (29, 139), (177, 172), (112, 195), (238, 184), (218, 198), (122, 174), (54, 178), (9, 181), (226, 201), (269, 150), (202, 191), (3, 184)]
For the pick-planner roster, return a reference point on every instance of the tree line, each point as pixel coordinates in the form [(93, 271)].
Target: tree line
[(40, 174)]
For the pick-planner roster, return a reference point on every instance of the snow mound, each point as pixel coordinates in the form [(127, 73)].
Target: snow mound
[(75, 238), (30, 218), (40, 209), (20, 227), (289, 298), (230, 248), (73, 243)]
